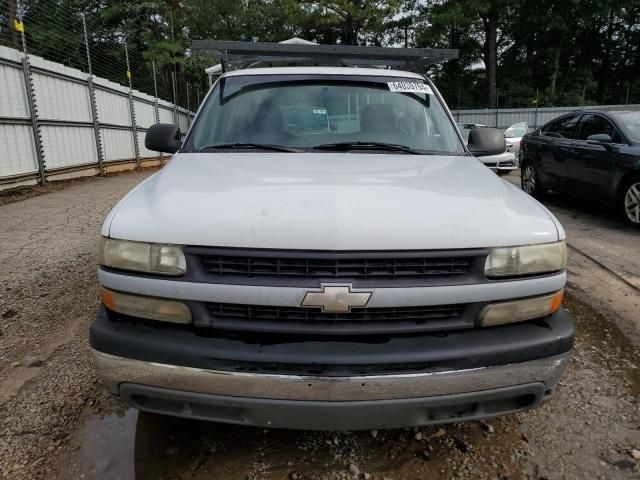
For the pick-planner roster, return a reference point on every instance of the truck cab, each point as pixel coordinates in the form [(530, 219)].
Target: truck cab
[(323, 251)]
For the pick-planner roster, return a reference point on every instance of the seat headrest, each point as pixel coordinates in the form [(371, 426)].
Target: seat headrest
[(376, 115)]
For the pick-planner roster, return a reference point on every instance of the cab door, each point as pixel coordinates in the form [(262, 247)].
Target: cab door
[(556, 142), (589, 165)]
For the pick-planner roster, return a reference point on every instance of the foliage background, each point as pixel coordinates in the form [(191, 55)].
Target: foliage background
[(513, 53)]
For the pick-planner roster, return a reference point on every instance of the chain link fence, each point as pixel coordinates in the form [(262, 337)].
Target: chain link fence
[(63, 31), (79, 94)]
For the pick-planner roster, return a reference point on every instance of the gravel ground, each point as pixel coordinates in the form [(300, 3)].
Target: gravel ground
[(57, 422)]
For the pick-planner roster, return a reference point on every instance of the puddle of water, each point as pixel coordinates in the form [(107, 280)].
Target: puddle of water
[(106, 447)]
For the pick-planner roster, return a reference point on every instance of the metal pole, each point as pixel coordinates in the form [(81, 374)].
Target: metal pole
[(188, 108), (155, 101), (175, 105), (584, 92), (132, 110), (155, 90), (627, 100), (86, 42), (92, 101), (31, 98), (198, 95), (535, 118), (497, 97)]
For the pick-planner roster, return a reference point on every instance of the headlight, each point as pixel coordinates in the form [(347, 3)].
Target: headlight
[(146, 307), (527, 260), (500, 313), (142, 257)]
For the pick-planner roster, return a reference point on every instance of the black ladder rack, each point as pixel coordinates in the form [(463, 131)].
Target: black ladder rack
[(242, 54)]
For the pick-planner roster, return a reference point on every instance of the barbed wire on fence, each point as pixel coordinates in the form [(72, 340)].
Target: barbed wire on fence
[(53, 30)]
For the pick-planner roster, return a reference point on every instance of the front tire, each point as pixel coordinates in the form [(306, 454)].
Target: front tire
[(629, 202), (530, 181)]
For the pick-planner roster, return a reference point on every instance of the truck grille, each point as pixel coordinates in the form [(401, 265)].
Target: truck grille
[(361, 321), (412, 266)]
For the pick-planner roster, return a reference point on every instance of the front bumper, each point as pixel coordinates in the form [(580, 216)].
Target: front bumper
[(331, 403), (505, 162), (462, 375)]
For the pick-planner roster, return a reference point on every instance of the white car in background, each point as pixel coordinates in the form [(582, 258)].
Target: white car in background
[(502, 163), (513, 135)]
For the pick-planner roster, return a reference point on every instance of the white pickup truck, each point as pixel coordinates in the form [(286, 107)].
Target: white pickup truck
[(324, 252)]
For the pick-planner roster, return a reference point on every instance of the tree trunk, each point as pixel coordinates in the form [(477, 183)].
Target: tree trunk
[(555, 71), (491, 53), (603, 78)]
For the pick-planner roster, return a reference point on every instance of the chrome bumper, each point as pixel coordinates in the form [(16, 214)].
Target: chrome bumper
[(115, 371)]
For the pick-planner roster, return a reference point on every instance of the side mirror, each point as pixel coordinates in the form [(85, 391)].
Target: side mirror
[(486, 141), (599, 138), (163, 137)]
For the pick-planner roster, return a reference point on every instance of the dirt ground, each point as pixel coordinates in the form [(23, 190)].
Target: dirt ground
[(56, 421)]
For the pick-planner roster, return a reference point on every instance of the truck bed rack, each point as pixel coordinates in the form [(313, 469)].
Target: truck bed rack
[(244, 54)]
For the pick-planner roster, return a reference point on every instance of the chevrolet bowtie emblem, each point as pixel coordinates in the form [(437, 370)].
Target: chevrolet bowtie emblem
[(336, 298)]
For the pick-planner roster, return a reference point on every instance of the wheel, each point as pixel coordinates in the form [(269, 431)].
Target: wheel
[(630, 201), (530, 181)]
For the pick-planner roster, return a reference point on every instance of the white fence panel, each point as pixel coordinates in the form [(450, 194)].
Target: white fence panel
[(145, 114), (67, 146), (118, 144), (144, 152), (17, 151), (166, 115), (112, 108), (505, 117), (61, 99), (183, 122), (13, 94)]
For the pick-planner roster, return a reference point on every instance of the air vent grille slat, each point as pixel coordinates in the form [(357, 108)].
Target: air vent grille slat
[(350, 268)]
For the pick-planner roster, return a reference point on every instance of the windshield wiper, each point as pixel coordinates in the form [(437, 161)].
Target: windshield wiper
[(342, 146), (257, 146)]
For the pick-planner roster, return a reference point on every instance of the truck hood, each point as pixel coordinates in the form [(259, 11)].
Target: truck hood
[(329, 201)]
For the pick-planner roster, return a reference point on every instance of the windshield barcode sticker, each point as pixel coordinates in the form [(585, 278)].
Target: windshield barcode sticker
[(411, 87)]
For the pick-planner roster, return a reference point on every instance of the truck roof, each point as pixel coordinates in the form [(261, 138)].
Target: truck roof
[(378, 72)]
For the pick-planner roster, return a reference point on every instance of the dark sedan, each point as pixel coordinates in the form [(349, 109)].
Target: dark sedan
[(589, 153)]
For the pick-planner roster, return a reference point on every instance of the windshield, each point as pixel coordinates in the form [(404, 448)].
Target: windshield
[(306, 112), (631, 121), (516, 130)]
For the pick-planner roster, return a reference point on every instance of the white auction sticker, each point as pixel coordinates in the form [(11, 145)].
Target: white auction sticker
[(412, 87)]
